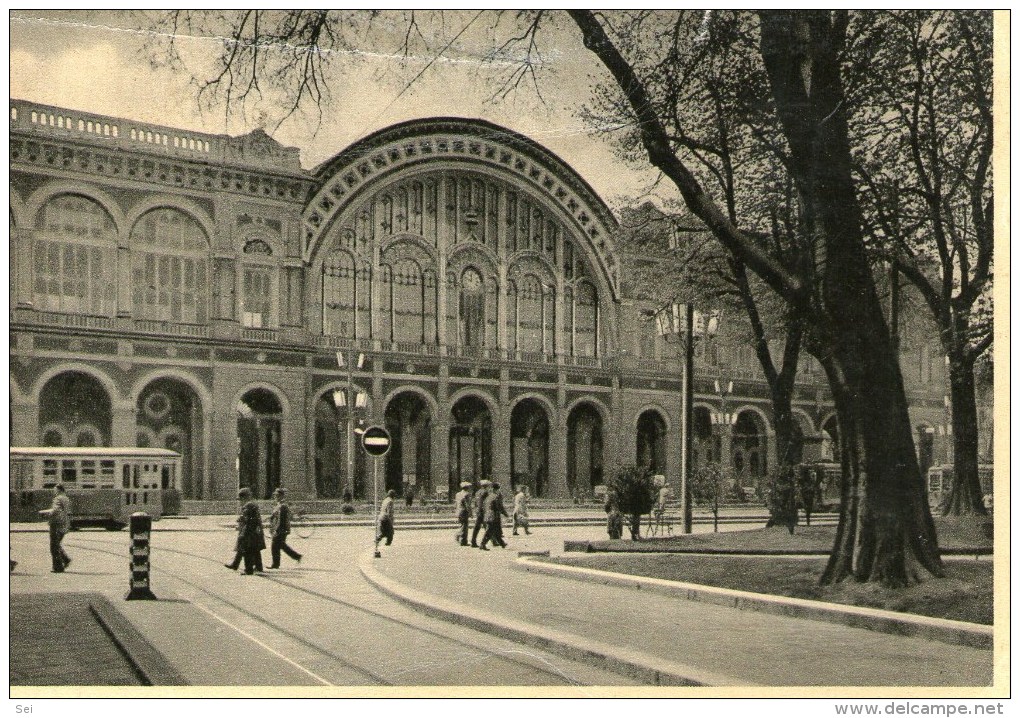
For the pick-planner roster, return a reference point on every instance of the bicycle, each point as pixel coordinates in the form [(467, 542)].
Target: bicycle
[(302, 524)]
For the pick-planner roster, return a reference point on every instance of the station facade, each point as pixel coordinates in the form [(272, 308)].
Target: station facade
[(447, 278)]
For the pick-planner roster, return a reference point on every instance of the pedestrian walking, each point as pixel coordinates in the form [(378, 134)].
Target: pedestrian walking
[(279, 528), (251, 539), (494, 513), (59, 517), (521, 510), (385, 520), (462, 506), (409, 495), (479, 501)]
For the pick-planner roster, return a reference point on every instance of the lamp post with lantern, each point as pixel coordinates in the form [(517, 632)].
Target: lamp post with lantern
[(681, 323), (347, 401), (724, 421)]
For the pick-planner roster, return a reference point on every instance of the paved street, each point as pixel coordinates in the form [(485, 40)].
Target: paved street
[(321, 623), (317, 623)]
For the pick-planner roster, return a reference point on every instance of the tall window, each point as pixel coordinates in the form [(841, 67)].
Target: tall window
[(169, 275), (408, 295), (75, 251), (472, 309), (586, 319), (340, 288), (530, 313), (258, 285)]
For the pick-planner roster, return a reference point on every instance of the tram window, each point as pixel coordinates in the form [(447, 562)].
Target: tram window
[(49, 471), (69, 471), (134, 476), (127, 476), (106, 472), (166, 478), (88, 473)]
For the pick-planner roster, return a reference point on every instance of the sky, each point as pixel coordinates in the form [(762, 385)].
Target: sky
[(97, 62)]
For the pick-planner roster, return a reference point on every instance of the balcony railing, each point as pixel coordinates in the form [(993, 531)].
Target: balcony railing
[(80, 321), (260, 335), (152, 326)]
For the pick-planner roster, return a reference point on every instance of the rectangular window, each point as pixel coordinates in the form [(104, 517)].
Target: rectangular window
[(258, 300), (106, 473), (127, 476), (69, 471)]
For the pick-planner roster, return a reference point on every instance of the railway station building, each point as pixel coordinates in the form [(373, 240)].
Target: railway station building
[(448, 278)]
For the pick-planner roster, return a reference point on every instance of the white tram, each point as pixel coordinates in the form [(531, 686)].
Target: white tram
[(105, 485)]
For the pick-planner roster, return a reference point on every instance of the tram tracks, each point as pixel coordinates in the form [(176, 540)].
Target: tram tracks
[(373, 677)]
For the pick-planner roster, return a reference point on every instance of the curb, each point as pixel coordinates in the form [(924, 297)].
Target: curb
[(959, 633), (651, 546), (150, 665), (653, 670)]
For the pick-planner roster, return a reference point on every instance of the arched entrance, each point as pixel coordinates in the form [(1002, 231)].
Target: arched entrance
[(334, 475), (409, 461), (259, 418), (651, 442), (705, 445), (584, 450), (750, 465), (75, 410), (830, 440), (529, 446), (470, 442), (169, 416)]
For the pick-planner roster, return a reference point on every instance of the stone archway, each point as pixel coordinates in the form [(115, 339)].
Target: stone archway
[(409, 461), (169, 416), (470, 442), (651, 441), (750, 449), (259, 424), (75, 410), (529, 447), (585, 450)]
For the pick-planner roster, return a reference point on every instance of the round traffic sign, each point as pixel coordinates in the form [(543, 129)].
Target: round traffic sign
[(376, 441)]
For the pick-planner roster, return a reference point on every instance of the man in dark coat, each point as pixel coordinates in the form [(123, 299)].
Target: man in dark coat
[(480, 510), (279, 528), (251, 540), (494, 513)]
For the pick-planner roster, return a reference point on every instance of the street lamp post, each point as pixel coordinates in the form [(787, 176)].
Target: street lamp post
[(341, 400), (681, 322)]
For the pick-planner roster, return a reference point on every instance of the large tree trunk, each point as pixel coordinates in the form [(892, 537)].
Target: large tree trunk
[(783, 501), (890, 525), (966, 497)]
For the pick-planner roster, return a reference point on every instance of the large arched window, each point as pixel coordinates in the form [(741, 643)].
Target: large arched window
[(586, 320), (340, 288), (472, 308), (169, 275), (75, 251), (407, 301), (530, 314)]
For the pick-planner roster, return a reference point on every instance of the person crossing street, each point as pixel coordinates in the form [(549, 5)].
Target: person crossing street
[(494, 513), (479, 501), (462, 505), (279, 528), (385, 520), (521, 510)]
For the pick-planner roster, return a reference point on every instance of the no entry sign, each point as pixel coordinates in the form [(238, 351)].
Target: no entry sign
[(376, 441)]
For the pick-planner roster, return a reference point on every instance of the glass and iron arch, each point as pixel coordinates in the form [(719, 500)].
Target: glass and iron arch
[(169, 267), (74, 257)]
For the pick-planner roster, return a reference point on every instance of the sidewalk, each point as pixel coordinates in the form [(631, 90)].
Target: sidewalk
[(731, 645)]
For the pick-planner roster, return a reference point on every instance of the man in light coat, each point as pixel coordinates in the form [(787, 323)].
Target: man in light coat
[(521, 510), (385, 520), (462, 505), (59, 517)]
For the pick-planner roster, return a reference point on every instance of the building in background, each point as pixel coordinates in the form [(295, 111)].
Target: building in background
[(207, 294)]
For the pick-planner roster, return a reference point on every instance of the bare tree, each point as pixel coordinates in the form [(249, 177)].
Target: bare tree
[(924, 133)]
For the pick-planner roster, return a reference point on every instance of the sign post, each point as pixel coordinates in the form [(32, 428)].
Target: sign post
[(376, 442)]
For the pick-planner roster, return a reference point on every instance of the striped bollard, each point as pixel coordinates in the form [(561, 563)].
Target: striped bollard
[(141, 527)]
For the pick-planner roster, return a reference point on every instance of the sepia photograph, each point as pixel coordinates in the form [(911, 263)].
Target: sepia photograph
[(510, 354)]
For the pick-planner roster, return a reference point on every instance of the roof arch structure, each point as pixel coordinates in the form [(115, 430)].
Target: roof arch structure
[(464, 144)]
